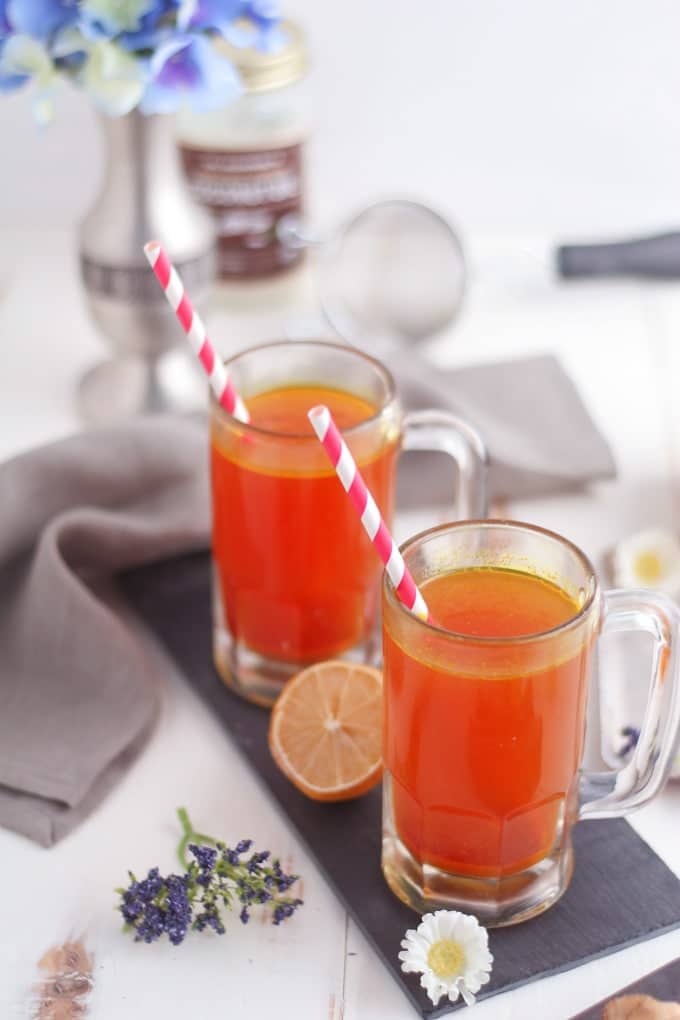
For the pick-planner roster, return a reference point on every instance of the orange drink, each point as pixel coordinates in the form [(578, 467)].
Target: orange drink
[(288, 592), (295, 577), (483, 792), (485, 717), (485, 713)]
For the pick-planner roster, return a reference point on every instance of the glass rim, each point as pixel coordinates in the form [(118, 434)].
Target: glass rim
[(504, 523), (383, 372)]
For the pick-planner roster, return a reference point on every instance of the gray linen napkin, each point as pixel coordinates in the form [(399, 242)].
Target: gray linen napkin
[(77, 695), (537, 430)]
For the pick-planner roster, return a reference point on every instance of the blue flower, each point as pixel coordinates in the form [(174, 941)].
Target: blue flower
[(242, 22), (187, 68), (108, 18), (264, 33), (136, 25), (155, 54), (40, 18), (263, 13), (5, 27), (206, 14)]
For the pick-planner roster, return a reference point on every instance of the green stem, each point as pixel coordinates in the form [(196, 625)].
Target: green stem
[(189, 835), (183, 815)]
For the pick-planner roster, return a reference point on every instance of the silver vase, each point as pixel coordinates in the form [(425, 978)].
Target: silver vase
[(144, 196)]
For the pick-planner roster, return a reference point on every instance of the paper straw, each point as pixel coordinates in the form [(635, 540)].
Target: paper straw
[(191, 323), (366, 507)]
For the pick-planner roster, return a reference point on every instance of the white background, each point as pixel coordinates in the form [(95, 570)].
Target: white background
[(551, 115), (531, 118)]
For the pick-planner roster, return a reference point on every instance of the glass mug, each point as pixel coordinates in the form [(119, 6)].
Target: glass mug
[(485, 717), (295, 577)]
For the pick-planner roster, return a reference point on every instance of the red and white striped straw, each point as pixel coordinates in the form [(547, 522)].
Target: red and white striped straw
[(191, 323), (366, 507)]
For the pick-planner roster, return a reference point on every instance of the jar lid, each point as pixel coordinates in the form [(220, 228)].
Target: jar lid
[(261, 71)]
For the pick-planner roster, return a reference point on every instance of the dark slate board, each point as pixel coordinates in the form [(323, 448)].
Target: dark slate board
[(662, 984), (621, 892)]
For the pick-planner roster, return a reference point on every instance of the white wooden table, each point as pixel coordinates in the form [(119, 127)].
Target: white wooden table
[(619, 342)]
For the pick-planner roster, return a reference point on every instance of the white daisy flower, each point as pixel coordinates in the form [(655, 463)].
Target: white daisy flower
[(648, 559), (451, 951)]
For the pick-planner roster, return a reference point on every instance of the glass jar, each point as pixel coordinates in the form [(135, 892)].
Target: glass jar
[(245, 161)]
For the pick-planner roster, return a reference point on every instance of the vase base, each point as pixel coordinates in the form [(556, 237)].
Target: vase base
[(123, 387)]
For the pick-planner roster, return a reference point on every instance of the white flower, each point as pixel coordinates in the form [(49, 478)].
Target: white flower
[(648, 559), (23, 55), (114, 79), (118, 15), (69, 41), (451, 951)]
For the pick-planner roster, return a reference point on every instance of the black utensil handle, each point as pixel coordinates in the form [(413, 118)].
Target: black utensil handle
[(656, 257)]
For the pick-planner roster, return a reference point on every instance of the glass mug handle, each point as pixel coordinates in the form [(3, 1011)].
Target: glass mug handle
[(441, 432), (607, 794)]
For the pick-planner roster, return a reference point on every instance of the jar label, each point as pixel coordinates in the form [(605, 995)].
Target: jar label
[(248, 193)]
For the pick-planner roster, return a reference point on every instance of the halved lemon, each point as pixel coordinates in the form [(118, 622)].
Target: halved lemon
[(325, 732)]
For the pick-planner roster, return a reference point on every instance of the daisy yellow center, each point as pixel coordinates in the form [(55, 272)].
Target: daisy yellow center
[(648, 566), (446, 958)]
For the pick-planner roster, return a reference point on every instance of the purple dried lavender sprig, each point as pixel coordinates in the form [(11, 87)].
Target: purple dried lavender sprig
[(157, 906), (216, 876), (178, 909), (254, 882), (209, 918), (206, 857)]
